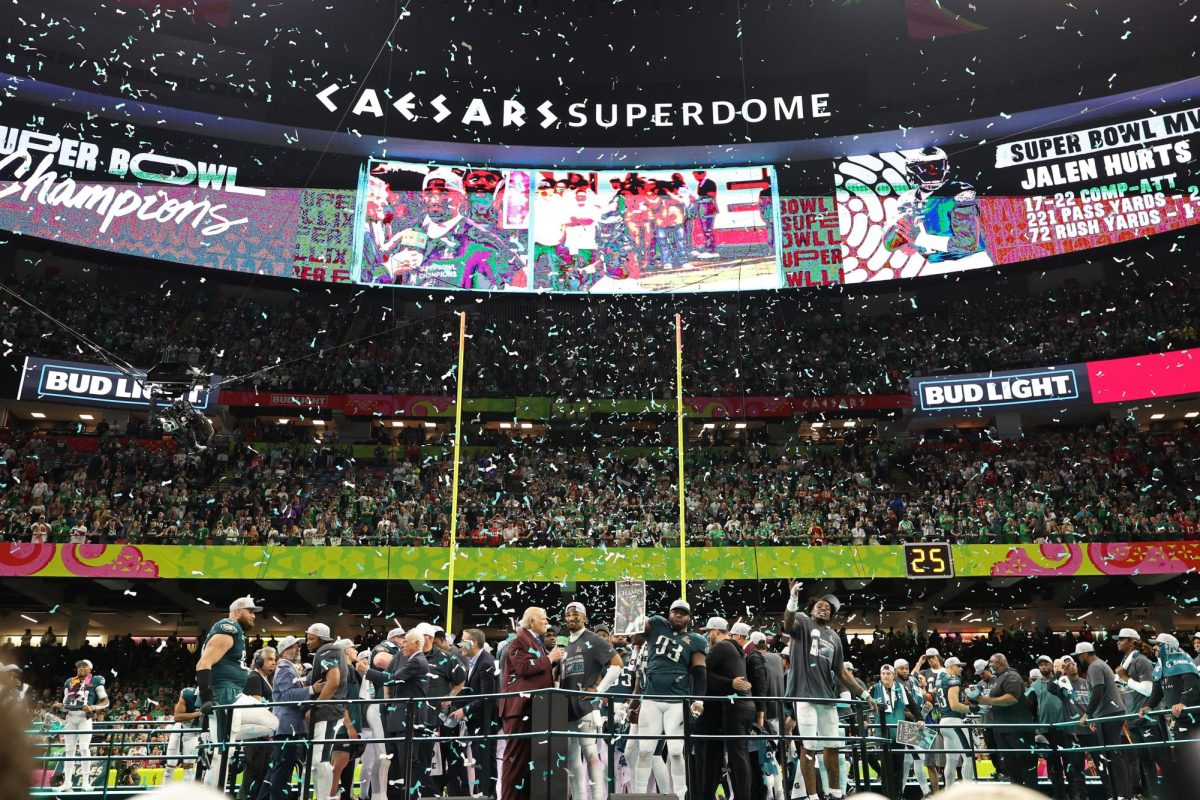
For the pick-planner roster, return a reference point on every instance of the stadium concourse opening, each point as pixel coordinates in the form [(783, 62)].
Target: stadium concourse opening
[(554, 400)]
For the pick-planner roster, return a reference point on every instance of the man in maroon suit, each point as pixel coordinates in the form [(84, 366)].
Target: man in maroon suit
[(528, 665)]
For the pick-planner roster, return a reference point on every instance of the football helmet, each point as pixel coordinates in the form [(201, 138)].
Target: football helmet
[(927, 168)]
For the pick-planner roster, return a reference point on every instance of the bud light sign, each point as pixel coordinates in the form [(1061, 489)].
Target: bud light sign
[(1062, 385), (97, 385)]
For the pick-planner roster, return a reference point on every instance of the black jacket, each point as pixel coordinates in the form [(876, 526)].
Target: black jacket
[(481, 711), (407, 680)]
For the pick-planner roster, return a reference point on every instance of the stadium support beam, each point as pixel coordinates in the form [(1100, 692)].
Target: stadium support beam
[(187, 600), (312, 593), (952, 590), (1152, 580), (1004, 583)]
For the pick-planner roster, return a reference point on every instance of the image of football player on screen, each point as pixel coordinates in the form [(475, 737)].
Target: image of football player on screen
[(939, 218), (441, 237)]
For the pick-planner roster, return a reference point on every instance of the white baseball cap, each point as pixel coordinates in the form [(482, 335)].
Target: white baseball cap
[(850, 666), (1165, 638), (342, 644), (394, 632), (425, 629), (952, 662), (83, 662), (899, 662), (10, 668), (716, 624), (740, 629), (933, 651), (321, 631), (681, 604), (244, 602), (980, 664), (450, 178), (1129, 633), (287, 643), (1084, 647), (577, 607), (1047, 659), (1035, 673), (757, 636)]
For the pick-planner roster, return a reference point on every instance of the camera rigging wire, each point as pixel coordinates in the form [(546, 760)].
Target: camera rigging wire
[(110, 358)]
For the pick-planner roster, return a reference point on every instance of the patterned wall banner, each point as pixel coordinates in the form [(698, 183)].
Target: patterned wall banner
[(145, 562)]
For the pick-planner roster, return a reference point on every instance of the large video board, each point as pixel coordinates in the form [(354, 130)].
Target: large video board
[(136, 199), (617, 231), (934, 210)]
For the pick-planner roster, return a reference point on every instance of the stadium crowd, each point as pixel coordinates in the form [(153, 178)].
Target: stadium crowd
[(1069, 690), (1110, 483), (332, 340)]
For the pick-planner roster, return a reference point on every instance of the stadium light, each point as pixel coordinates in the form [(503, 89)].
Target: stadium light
[(505, 425), (37, 415), (430, 424), (1157, 416), (526, 425), (320, 422), (283, 420), (740, 426), (397, 423), (87, 417), (818, 424), (849, 423), (1192, 414)]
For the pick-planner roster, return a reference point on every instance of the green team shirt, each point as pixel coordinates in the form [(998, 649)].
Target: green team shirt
[(191, 703), (941, 696), (231, 668), (667, 670)]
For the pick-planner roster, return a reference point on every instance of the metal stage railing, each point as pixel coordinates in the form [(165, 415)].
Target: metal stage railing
[(871, 752)]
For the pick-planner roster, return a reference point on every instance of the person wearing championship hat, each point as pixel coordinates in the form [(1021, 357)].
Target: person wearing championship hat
[(1177, 685), (382, 654), (929, 668), (1196, 648), (590, 665), (1105, 701), (917, 758), (11, 687), (83, 694), (676, 668), (447, 249), (1053, 694), (1005, 700), (726, 676), (447, 677), (329, 680), (1137, 671), (221, 674), (950, 702), (818, 670)]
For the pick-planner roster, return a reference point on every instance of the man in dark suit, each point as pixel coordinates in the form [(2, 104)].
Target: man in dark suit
[(406, 683), (477, 717), (528, 665)]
